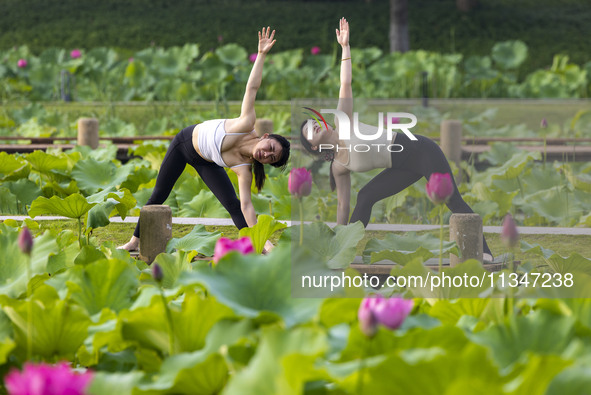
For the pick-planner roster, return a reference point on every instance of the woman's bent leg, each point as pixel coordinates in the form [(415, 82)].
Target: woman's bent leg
[(219, 183), (171, 169)]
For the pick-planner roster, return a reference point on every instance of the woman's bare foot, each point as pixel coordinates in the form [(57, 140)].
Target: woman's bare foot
[(131, 245)]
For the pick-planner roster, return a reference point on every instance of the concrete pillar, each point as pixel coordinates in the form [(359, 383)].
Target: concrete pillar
[(155, 231), (88, 132), (451, 139), (451, 143), (466, 231), (262, 126)]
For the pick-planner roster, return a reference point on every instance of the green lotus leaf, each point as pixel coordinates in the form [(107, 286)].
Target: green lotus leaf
[(205, 204), (58, 327), (573, 380), (262, 231), (13, 278), (203, 371), (121, 201), (103, 284), (115, 383), (251, 285), (515, 166), (573, 264), (334, 247), (510, 54), (25, 190), (92, 175), (503, 199), (138, 177), (8, 202), (283, 363), (172, 266), (553, 206), (146, 327), (409, 244), (232, 54), (46, 163), (199, 239), (73, 206), (88, 254), (540, 332), (9, 163)]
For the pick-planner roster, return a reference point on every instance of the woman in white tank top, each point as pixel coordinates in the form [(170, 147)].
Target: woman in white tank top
[(213, 145), (405, 159)]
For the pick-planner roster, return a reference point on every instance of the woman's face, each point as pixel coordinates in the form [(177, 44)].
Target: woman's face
[(267, 150), (316, 134)]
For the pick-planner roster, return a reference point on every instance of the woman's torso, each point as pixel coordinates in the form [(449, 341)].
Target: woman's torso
[(360, 155), (213, 143)]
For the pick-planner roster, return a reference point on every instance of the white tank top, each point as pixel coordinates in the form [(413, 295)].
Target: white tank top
[(366, 155), (210, 137)]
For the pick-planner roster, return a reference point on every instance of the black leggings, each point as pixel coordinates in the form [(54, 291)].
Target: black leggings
[(418, 159), (180, 153)]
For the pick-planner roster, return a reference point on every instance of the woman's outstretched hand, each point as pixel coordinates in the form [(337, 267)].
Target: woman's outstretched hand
[(343, 33), (265, 41)]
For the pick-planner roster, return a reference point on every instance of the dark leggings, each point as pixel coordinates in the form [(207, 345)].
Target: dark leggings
[(180, 153), (418, 159)]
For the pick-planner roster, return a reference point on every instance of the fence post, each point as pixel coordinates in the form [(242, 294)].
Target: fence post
[(451, 143), (466, 231), (155, 231), (88, 132)]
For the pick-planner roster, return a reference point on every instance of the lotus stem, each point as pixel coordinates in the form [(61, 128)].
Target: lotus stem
[(169, 319), (301, 221), (441, 239)]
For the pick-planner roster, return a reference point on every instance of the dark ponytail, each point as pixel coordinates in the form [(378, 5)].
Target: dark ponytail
[(259, 169), (259, 174)]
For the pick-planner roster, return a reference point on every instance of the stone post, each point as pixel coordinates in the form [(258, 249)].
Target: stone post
[(155, 231), (88, 132), (262, 126), (451, 143), (466, 231)]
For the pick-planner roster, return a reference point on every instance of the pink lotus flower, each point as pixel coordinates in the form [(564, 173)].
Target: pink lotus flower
[(253, 57), (315, 50), (130, 60), (25, 241), (22, 63), (390, 313), (299, 182), (509, 233), (439, 187), (75, 54), (220, 38), (45, 379), (157, 273), (544, 123), (224, 245)]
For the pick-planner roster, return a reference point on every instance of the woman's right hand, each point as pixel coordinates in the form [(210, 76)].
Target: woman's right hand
[(265, 41), (343, 33)]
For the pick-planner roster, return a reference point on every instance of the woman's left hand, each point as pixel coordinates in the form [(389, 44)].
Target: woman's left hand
[(265, 40), (343, 33)]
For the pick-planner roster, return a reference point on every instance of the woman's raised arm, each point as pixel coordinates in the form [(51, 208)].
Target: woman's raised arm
[(346, 91), (245, 123)]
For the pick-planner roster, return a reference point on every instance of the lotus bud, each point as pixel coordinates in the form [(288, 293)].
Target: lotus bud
[(157, 272), (509, 233), (299, 182), (439, 187), (25, 241)]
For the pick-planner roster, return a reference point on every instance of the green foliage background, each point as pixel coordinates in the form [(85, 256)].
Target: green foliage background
[(548, 27)]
